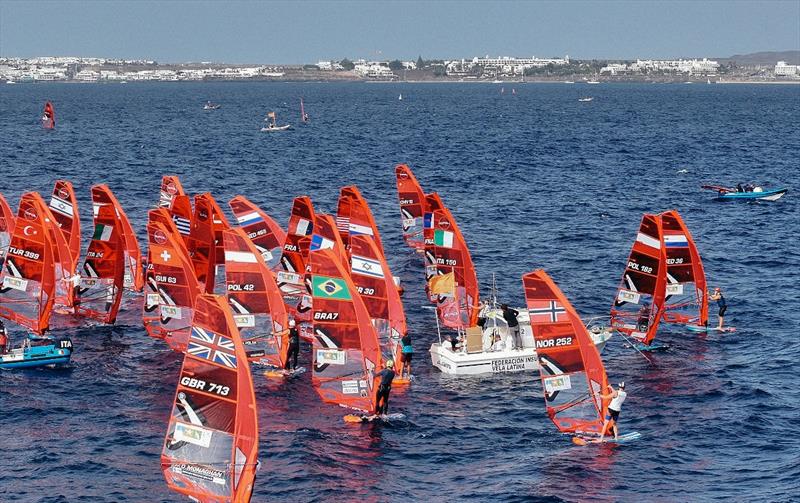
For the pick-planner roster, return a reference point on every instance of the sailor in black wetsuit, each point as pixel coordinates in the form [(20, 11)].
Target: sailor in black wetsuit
[(723, 306), (384, 388), (510, 315), (3, 338), (294, 347)]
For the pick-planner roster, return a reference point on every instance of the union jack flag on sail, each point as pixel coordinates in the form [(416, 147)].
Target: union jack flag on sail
[(212, 347)]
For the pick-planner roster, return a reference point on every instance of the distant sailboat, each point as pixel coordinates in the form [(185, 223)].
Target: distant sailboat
[(502, 90), (48, 116), (400, 97), (513, 91), (271, 124), (303, 114)]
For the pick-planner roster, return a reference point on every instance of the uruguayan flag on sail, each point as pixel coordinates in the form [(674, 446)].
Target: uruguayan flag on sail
[(367, 267), (360, 229), (676, 240), (61, 206), (183, 224), (320, 243), (249, 219)]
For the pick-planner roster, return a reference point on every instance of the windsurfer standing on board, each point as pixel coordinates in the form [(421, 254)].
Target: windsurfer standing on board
[(723, 306), (406, 353), (617, 397), (384, 388), (294, 347)]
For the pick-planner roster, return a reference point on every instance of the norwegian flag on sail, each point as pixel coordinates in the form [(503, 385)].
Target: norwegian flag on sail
[(212, 347), (546, 311)]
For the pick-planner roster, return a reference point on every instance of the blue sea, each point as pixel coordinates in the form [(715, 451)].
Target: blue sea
[(536, 180)]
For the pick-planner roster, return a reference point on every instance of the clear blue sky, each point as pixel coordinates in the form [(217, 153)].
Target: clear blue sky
[(306, 31)]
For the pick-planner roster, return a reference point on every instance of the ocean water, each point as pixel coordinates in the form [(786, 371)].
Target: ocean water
[(535, 180)]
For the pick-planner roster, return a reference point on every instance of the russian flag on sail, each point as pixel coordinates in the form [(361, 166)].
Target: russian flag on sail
[(249, 219), (320, 243), (360, 229), (366, 266), (676, 240), (648, 241)]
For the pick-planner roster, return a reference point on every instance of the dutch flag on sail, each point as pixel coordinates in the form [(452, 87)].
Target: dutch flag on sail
[(360, 229), (249, 219)]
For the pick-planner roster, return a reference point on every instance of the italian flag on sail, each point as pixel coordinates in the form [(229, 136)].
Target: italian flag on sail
[(102, 232), (443, 238)]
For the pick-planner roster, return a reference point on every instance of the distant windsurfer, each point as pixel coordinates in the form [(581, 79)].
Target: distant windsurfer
[(3, 338), (617, 397), (406, 353), (721, 303), (294, 347), (510, 315), (384, 388)]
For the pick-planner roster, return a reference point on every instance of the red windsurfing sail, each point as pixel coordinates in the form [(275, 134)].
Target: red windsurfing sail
[(7, 223), (103, 273), (639, 302), (64, 206), (686, 300), (210, 451), (202, 244), (134, 276), (65, 274), (373, 280), (258, 307), (49, 116), (27, 281), (354, 217), (173, 279), (571, 370), (432, 203), (291, 277), (170, 187), (459, 307), (346, 351), (261, 229), (219, 224), (327, 236), (412, 206)]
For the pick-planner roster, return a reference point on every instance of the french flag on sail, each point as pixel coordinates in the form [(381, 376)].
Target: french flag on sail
[(676, 241), (428, 220), (249, 219), (320, 243)]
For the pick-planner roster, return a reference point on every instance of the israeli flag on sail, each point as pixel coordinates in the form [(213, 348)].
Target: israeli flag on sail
[(366, 266), (249, 219), (360, 229), (676, 241), (320, 243), (648, 241), (61, 206)]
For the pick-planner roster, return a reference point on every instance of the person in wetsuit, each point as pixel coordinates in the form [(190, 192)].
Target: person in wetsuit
[(3, 338), (510, 315), (723, 306), (384, 388), (294, 347), (617, 397), (406, 353)]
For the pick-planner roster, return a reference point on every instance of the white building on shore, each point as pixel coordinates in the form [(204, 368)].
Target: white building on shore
[(784, 70)]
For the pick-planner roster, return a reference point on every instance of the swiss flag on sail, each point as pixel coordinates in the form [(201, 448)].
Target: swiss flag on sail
[(162, 255)]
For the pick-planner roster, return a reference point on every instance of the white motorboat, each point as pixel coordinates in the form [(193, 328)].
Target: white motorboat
[(273, 129), (477, 351), (584, 100)]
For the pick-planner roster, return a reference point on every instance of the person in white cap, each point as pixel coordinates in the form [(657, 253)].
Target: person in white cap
[(617, 397), (294, 347), (384, 388)]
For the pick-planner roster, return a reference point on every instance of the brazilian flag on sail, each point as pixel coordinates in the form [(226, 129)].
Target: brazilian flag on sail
[(329, 288)]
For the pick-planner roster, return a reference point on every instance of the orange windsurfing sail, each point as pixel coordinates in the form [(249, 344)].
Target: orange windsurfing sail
[(49, 116), (412, 206), (258, 307), (261, 229), (639, 302), (174, 282), (103, 273), (27, 281), (7, 223), (134, 276), (373, 280), (432, 202), (62, 258), (354, 217), (346, 350), (210, 450), (170, 187), (570, 367), (291, 277), (686, 300), (450, 252), (201, 243), (64, 206), (219, 225)]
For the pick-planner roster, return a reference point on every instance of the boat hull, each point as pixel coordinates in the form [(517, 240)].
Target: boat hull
[(276, 128), (37, 356), (767, 195)]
